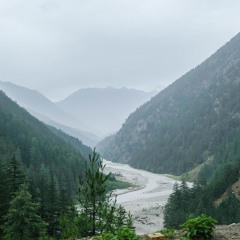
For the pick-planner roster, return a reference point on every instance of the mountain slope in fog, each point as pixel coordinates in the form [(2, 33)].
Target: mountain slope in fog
[(195, 120), (104, 108)]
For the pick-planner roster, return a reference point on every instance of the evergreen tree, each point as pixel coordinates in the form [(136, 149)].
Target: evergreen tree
[(22, 221), (122, 218), (4, 200), (98, 212), (69, 224), (43, 186), (53, 206), (93, 196), (16, 175)]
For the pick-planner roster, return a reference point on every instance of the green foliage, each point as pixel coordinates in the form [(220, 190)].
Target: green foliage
[(34, 144), (98, 211), (112, 183), (4, 191), (15, 172), (169, 233), (69, 224), (199, 228), (120, 234), (94, 202), (185, 201), (200, 199), (229, 210), (22, 221), (183, 238), (49, 160)]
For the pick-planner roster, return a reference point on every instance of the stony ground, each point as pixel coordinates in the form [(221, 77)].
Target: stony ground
[(227, 232)]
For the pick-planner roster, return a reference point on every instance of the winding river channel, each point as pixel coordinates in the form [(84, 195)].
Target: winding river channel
[(146, 200)]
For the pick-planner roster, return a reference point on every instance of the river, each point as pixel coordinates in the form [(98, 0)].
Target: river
[(146, 201)]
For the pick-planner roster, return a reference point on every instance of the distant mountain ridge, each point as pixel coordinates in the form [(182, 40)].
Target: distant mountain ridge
[(48, 112), (104, 108), (195, 120)]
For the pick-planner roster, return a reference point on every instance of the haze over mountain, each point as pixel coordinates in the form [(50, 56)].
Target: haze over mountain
[(86, 114), (47, 111), (195, 120), (104, 108)]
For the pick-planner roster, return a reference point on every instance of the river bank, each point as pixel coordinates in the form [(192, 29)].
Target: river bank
[(146, 199)]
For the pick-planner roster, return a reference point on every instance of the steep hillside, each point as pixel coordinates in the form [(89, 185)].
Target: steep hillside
[(104, 108), (195, 120), (38, 147), (48, 112)]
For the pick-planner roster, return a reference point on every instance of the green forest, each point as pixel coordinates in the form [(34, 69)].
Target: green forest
[(43, 174), (45, 162), (186, 202)]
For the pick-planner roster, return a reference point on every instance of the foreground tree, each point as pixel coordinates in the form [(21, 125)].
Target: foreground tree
[(22, 221), (69, 224), (98, 212)]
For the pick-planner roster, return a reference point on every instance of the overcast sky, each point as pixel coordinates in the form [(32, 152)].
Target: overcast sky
[(59, 46)]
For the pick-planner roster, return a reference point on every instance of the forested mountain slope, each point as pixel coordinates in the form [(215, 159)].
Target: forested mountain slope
[(40, 148), (48, 112), (194, 120)]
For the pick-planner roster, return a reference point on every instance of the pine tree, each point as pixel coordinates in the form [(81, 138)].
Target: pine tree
[(16, 175), (98, 212), (122, 218), (93, 195), (69, 224), (22, 221), (43, 186), (4, 200), (53, 206)]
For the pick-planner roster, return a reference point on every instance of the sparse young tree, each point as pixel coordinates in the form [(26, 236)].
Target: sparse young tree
[(93, 196), (98, 211)]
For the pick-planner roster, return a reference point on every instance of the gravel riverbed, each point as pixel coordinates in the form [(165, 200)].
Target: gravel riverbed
[(146, 200)]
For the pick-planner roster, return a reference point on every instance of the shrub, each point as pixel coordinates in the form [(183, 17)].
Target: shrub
[(169, 233), (199, 228), (120, 234), (183, 238)]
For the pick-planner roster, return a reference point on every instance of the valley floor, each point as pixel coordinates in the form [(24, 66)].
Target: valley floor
[(146, 200)]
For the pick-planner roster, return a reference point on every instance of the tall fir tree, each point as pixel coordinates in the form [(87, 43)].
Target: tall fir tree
[(93, 195), (16, 175), (53, 206), (22, 221), (4, 200), (98, 212), (43, 186)]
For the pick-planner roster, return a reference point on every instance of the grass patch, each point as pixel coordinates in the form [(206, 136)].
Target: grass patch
[(113, 184)]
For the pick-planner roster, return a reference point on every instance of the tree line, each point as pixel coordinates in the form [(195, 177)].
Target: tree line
[(187, 202), (40, 211)]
